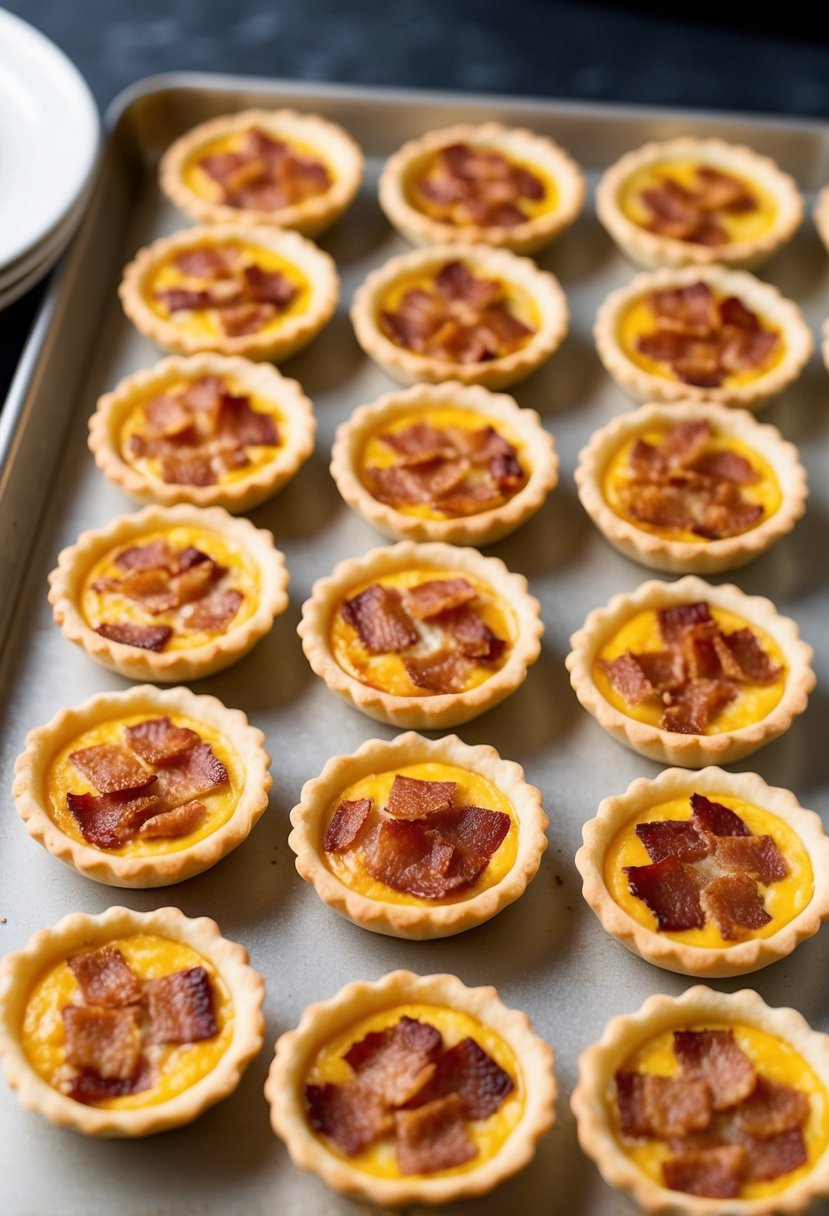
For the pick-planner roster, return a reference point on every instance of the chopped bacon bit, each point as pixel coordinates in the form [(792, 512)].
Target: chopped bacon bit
[(109, 820), (469, 499), (726, 465), (714, 1056), (157, 740), (471, 1073), (182, 299), (105, 977), (178, 822), (656, 1106), (148, 588), (472, 635), (627, 677), (714, 819), (265, 174), (478, 186), (438, 595), (208, 261), (429, 482), (419, 443), (238, 320), (444, 672), (165, 416), (677, 619), (409, 856), (244, 425), (672, 838), (433, 1137), (111, 768), (89, 1087), (127, 633), (268, 287), (204, 394), (103, 1041), (245, 297), (690, 214), (180, 1007), (686, 310), (380, 619), (474, 832), (196, 579), (757, 856), (411, 798), (671, 891), (154, 555), (696, 705), (190, 775), (749, 655), (398, 1061), (715, 1172), (457, 282), (351, 1115), (772, 1156), (736, 904), (346, 824), (213, 613), (180, 470), (770, 1109)]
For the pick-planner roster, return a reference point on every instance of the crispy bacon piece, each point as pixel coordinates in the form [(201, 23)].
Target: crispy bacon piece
[(691, 214), (715, 1057), (105, 977), (128, 633), (208, 261), (166, 416), (109, 820), (478, 186), (716, 1173), (474, 832), (427, 483), (408, 856), (433, 1137), (157, 740), (736, 905), (346, 824), (152, 555), (671, 891), (471, 634), (244, 425), (714, 819), (150, 589), (770, 1109), (380, 619), (471, 1073), (214, 613), (437, 596), (655, 1106), (191, 774), (688, 310), (750, 657), (178, 822), (268, 287), (772, 1156), (726, 465), (103, 1041), (352, 1115), (397, 1061), (677, 619), (111, 768), (189, 470), (89, 1087), (247, 317), (628, 678), (672, 838), (180, 1007), (183, 299), (697, 704), (470, 499), (443, 672), (203, 395), (756, 856), (265, 174), (410, 798), (419, 443)]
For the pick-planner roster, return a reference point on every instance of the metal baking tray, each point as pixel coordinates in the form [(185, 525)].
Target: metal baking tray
[(547, 954)]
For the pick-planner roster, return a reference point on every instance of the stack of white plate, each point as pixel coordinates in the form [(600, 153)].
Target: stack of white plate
[(49, 133)]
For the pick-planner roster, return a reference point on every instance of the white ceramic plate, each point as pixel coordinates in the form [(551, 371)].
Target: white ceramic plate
[(49, 131), (44, 255)]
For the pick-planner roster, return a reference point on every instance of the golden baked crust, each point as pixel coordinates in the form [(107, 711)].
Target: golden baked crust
[(21, 970), (652, 249), (244, 743), (319, 136), (537, 451), (242, 492), (66, 583), (540, 287), (521, 146), (762, 298), (698, 1005), (672, 747), (318, 295), (416, 918), (437, 710), (664, 950), (322, 1021), (651, 547)]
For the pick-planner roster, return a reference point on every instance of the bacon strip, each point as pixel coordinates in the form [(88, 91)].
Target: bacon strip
[(756, 856), (444, 672), (410, 798), (715, 1057), (396, 1062), (105, 977), (655, 1106), (180, 1007), (409, 856), (180, 821), (346, 824), (671, 891), (736, 905), (380, 619), (128, 633), (437, 596), (192, 774), (352, 1115), (109, 820), (672, 838), (770, 1109), (714, 819), (717, 1173), (111, 768), (157, 740), (103, 1041), (471, 1073), (433, 1137)]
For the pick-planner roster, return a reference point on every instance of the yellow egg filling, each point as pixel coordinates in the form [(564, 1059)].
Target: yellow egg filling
[(330, 1067), (774, 1059), (177, 1067), (739, 225), (783, 900), (473, 790), (99, 606), (518, 301), (641, 634), (453, 212), (197, 179), (387, 671)]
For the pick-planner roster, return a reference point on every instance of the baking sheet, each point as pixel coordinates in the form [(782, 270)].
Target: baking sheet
[(547, 954)]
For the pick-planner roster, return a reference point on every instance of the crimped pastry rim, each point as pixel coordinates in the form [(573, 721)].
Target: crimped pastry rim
[(181, 664), (295, 332), (20, 969), (672, 747), (623, 1034), (654, 249), (755, 293), (533, 234), (32, 765), (243, 494), (657, 948), (482, 528), (411, 368), (440, 710), (359, 999), (311, 216), (703, 557), (416, 921)]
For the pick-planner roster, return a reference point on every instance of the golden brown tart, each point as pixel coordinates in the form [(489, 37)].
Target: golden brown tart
[(264, 167), (128, 1023), (692, 202), (707, 873), (419, 837), (460, 312), (446, 462), (143, 788), (421, 635), (689, 673), (706, 1103), (235, 289), (170, 593), (489, 184), (702, 334), (412, 1089), (691, 487), (209, 430)]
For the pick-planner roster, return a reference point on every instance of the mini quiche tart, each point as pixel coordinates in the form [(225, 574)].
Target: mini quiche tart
[(413, 1089), (418, 837), (264, 167), (691, 487), (708, 873), (170, 593), (128, 1023), (702, 334), (460, 312), (261, 292), (208, 430), (143, 788), (421, 635), (497, 185), (692, 202), (705, 1098), (688, 673), (445, 462)]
